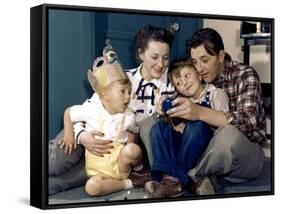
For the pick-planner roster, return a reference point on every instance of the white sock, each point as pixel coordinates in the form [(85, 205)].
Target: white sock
[(128, 184), (138, 168)]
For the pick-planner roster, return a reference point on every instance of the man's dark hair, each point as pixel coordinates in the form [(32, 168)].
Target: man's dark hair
[(210, 38), (151, 33)]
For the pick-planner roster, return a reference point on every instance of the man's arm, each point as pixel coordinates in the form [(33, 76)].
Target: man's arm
[(188, 110), (249, 113), (212, 117)]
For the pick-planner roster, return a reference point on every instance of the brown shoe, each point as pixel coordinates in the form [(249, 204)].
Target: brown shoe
[(203, 187), (139, 179), (164, 189), (151, 186)]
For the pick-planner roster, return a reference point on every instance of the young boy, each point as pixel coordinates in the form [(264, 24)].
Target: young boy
[(108, 117), (176, 149)]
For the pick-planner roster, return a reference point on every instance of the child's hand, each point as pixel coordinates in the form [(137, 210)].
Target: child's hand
[(180, 128), (68, 143), (158, 106)]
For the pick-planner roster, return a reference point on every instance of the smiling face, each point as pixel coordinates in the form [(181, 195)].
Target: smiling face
[(155, 60), (116, 97), (209, 66), (188, 82)]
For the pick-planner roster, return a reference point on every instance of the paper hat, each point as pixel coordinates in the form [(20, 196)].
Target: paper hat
[(105, 70)]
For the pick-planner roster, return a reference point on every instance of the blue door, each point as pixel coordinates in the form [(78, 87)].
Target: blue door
[(76, 38), (119, 29)]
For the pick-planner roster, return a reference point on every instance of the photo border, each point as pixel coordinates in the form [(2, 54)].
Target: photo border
[(39, 104)]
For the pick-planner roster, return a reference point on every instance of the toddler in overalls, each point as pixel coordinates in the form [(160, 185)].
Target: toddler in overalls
[(176, 148)]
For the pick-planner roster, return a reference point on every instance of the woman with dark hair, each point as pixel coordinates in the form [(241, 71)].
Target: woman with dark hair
[(150, 79)]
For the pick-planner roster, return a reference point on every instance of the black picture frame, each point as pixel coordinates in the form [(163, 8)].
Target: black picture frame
[(40, 96)]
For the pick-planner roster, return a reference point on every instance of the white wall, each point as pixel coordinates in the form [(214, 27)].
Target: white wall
[(14, 89), (230, 32)]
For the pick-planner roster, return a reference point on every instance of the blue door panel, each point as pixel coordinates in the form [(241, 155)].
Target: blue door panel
[(76, 38)]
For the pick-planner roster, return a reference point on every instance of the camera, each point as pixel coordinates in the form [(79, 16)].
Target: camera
[(167, 104)]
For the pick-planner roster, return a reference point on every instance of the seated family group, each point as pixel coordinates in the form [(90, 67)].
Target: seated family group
[(172, 129)]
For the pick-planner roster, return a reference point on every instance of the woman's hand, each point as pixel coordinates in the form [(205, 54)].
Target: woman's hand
[(95, 146), (184, 108), (158, 106)]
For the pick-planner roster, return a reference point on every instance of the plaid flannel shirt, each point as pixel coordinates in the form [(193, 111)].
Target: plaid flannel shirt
[(242, 85)]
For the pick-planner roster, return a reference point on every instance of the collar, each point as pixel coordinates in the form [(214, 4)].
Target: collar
[(225, 74), (208, 88), (227, 70), (101, 110)]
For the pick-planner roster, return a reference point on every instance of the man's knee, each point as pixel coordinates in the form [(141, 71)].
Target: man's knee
[(224, 137), (232, 138), (228, 132), (231, 147)]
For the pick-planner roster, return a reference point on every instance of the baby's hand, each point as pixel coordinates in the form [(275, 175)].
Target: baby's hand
[(68, 143)]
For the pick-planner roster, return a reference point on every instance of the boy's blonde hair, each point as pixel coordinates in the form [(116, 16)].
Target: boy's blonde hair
[(177, 65), (122, 82)]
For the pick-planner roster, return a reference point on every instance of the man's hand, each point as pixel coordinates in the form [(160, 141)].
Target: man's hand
[(95, 146), (185, 109)]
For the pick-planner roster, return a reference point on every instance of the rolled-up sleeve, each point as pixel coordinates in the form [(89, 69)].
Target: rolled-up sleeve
[(220, 100)]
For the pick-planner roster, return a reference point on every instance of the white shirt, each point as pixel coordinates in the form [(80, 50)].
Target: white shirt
[(145, 94), (218, 98), (97, 119)]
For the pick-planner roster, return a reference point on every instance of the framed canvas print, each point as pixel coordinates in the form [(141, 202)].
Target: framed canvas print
[(132, 106)]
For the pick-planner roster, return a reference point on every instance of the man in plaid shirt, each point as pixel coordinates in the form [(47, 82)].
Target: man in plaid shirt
[(234, 152)]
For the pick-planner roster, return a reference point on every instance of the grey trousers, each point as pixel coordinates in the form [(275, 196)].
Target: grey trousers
[(68, 171), (65, 171), (144, 130), (231, 155)]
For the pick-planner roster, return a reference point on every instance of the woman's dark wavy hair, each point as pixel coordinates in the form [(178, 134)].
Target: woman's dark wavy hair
[(211, 40), (151, 33)]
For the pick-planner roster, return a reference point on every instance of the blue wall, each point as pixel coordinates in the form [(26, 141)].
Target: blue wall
[(77, 37), (70, 55)]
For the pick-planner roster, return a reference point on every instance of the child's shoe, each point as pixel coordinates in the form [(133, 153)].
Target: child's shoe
[(139, 178), (167, 188)]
